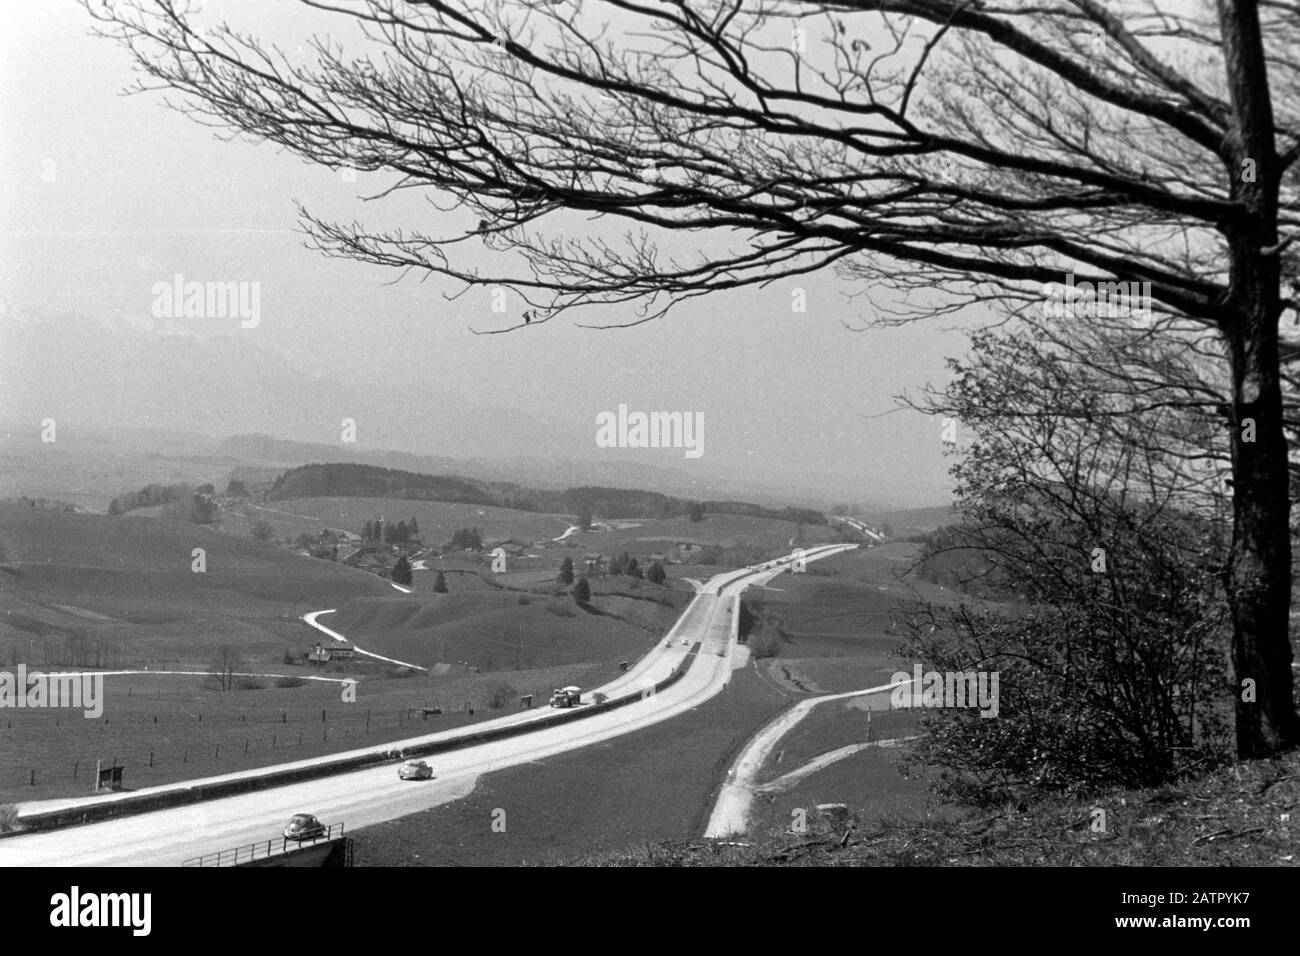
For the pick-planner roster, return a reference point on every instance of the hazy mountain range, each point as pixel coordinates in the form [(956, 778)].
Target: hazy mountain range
[(155, 377)]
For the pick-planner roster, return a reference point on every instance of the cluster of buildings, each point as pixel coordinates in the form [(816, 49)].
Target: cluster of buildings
[(352, 549)]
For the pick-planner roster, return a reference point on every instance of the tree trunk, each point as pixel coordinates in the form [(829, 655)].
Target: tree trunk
[(1259, 576)]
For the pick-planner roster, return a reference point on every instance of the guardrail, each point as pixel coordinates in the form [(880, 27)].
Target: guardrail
[(181, 796), (264, 850)]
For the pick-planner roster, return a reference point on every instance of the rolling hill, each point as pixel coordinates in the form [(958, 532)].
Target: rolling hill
[(74, 585)]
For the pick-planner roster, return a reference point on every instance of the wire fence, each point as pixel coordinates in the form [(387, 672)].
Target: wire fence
[(153, 750)]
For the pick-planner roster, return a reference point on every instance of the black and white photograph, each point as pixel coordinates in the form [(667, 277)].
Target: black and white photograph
[(643, 434)]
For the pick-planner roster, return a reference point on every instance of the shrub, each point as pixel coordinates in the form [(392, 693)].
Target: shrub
[(248, 683), (289, 682), (561, 610), (500, 694), (764, 643), (1102, 554), (8, 817), (522, 599), (262, 530)]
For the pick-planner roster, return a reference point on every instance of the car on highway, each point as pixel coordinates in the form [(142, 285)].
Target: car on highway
[(415, 770), (304, 826), (567, 697)]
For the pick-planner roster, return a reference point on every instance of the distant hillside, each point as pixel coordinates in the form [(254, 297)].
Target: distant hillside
[(129, 591), (550, 473), (349, 480), (371, 481), (907, 520)]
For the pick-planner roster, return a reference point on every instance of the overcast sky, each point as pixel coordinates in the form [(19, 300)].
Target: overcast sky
[(104, 195)]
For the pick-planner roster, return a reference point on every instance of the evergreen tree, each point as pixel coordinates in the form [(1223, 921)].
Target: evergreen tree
[(582, 591), (402, 571), (656, 574), (440, 583), (566, 571)]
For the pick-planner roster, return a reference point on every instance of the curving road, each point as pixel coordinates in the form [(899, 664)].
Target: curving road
[(361, 798), (731, 811)]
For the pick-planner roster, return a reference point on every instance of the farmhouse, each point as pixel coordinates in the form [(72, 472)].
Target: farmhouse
[(342, 651), (369, 558)]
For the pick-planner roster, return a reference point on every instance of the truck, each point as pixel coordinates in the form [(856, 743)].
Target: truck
[(566, 697)]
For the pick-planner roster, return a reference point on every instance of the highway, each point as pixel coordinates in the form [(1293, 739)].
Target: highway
[(362, 798)]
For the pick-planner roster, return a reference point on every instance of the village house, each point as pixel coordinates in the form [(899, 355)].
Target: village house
[(321, 655), (372, 558)]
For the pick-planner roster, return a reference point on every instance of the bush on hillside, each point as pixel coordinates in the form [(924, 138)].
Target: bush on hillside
[(1110, 633), (500, 694), (764, 643)]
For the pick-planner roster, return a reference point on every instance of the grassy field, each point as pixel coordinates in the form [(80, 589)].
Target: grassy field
[(837, 619), (494, 630), (74, 586), (833, 725), (1242, 815), (868, 781), (438, 520), (654, 784), (164, 728), (90, 591)]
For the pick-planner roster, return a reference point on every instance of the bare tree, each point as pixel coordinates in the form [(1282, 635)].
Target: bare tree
[(226, 663), (955, 146)]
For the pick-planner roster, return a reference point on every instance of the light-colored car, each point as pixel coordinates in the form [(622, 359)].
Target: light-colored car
[(567, 697), (304, 826), (415, 770)]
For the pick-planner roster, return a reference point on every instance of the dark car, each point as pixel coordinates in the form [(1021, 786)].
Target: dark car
[(304, 826)]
